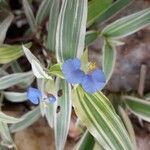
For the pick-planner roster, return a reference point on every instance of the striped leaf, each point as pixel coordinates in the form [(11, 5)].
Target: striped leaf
[(29, 14), (127, 25), (4, 25), (8, 119), (86, 142), (95, 9), (37, 67), (91, 36), (43, 11), (50, 109), (115, 8), (5, 135), (52, 24), (26, 120), (128, 125), (71, 29), (9, 53), (62, 118), (98, 115), (16, 78), (15, 97), (109, 58), (139, 107)]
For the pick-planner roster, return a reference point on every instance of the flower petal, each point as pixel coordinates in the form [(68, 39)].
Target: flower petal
[(52, 99), (71, 65), (75, 77), (94, 82), (34, 95), (98, 75), (72, 72)]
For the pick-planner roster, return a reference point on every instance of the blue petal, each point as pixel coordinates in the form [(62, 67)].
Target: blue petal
[(72, 72), (98, 75), (71, 65), (94, 82), (34, 95), (52, 99)]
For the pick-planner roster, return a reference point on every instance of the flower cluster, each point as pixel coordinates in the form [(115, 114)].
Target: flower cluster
[(91, 82)]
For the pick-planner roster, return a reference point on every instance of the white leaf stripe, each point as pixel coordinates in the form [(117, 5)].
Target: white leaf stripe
[(114, 128), (62, 119), (128, 25), (4, 25), (104, 118), (102, 137), (71, 26)]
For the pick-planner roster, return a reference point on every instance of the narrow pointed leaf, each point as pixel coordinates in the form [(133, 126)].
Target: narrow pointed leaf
[(8, 119), (128, 25), (4, 25), (115, 8), (26, 120), (109, 58), (29, 14), (98, 115), (5, 135), (139, 107), (62, 118), (16, 78), (52, 24), (95, 9), (71, 29), (43, 11), (37, 68), (50, 110), (9, 53), (128, 125)]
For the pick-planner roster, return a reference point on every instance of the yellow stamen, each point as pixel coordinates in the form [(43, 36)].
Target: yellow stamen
[(91, 66)]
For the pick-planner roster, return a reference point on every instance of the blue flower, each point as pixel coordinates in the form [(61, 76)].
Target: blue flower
[(92, 81), (35, 96)]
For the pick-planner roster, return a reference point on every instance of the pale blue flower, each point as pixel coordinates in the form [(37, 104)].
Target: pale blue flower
[(91, 82), (35, 96)]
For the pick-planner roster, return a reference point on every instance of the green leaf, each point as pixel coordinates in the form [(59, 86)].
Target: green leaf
[(48, 110), (52, 24), (8, 119), (109, 58), (127, 25), (16, 78), (56, 70), (37, 67), (139, 107), (115, 8), (43, 11), (90, 37), (62, 118), (29, 14), (9, 53), (95, 9), (86, 142), (26, 120), (15, 96), (100, 118), (5, 135), (128, 125), (4, 25), (71, 29)]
